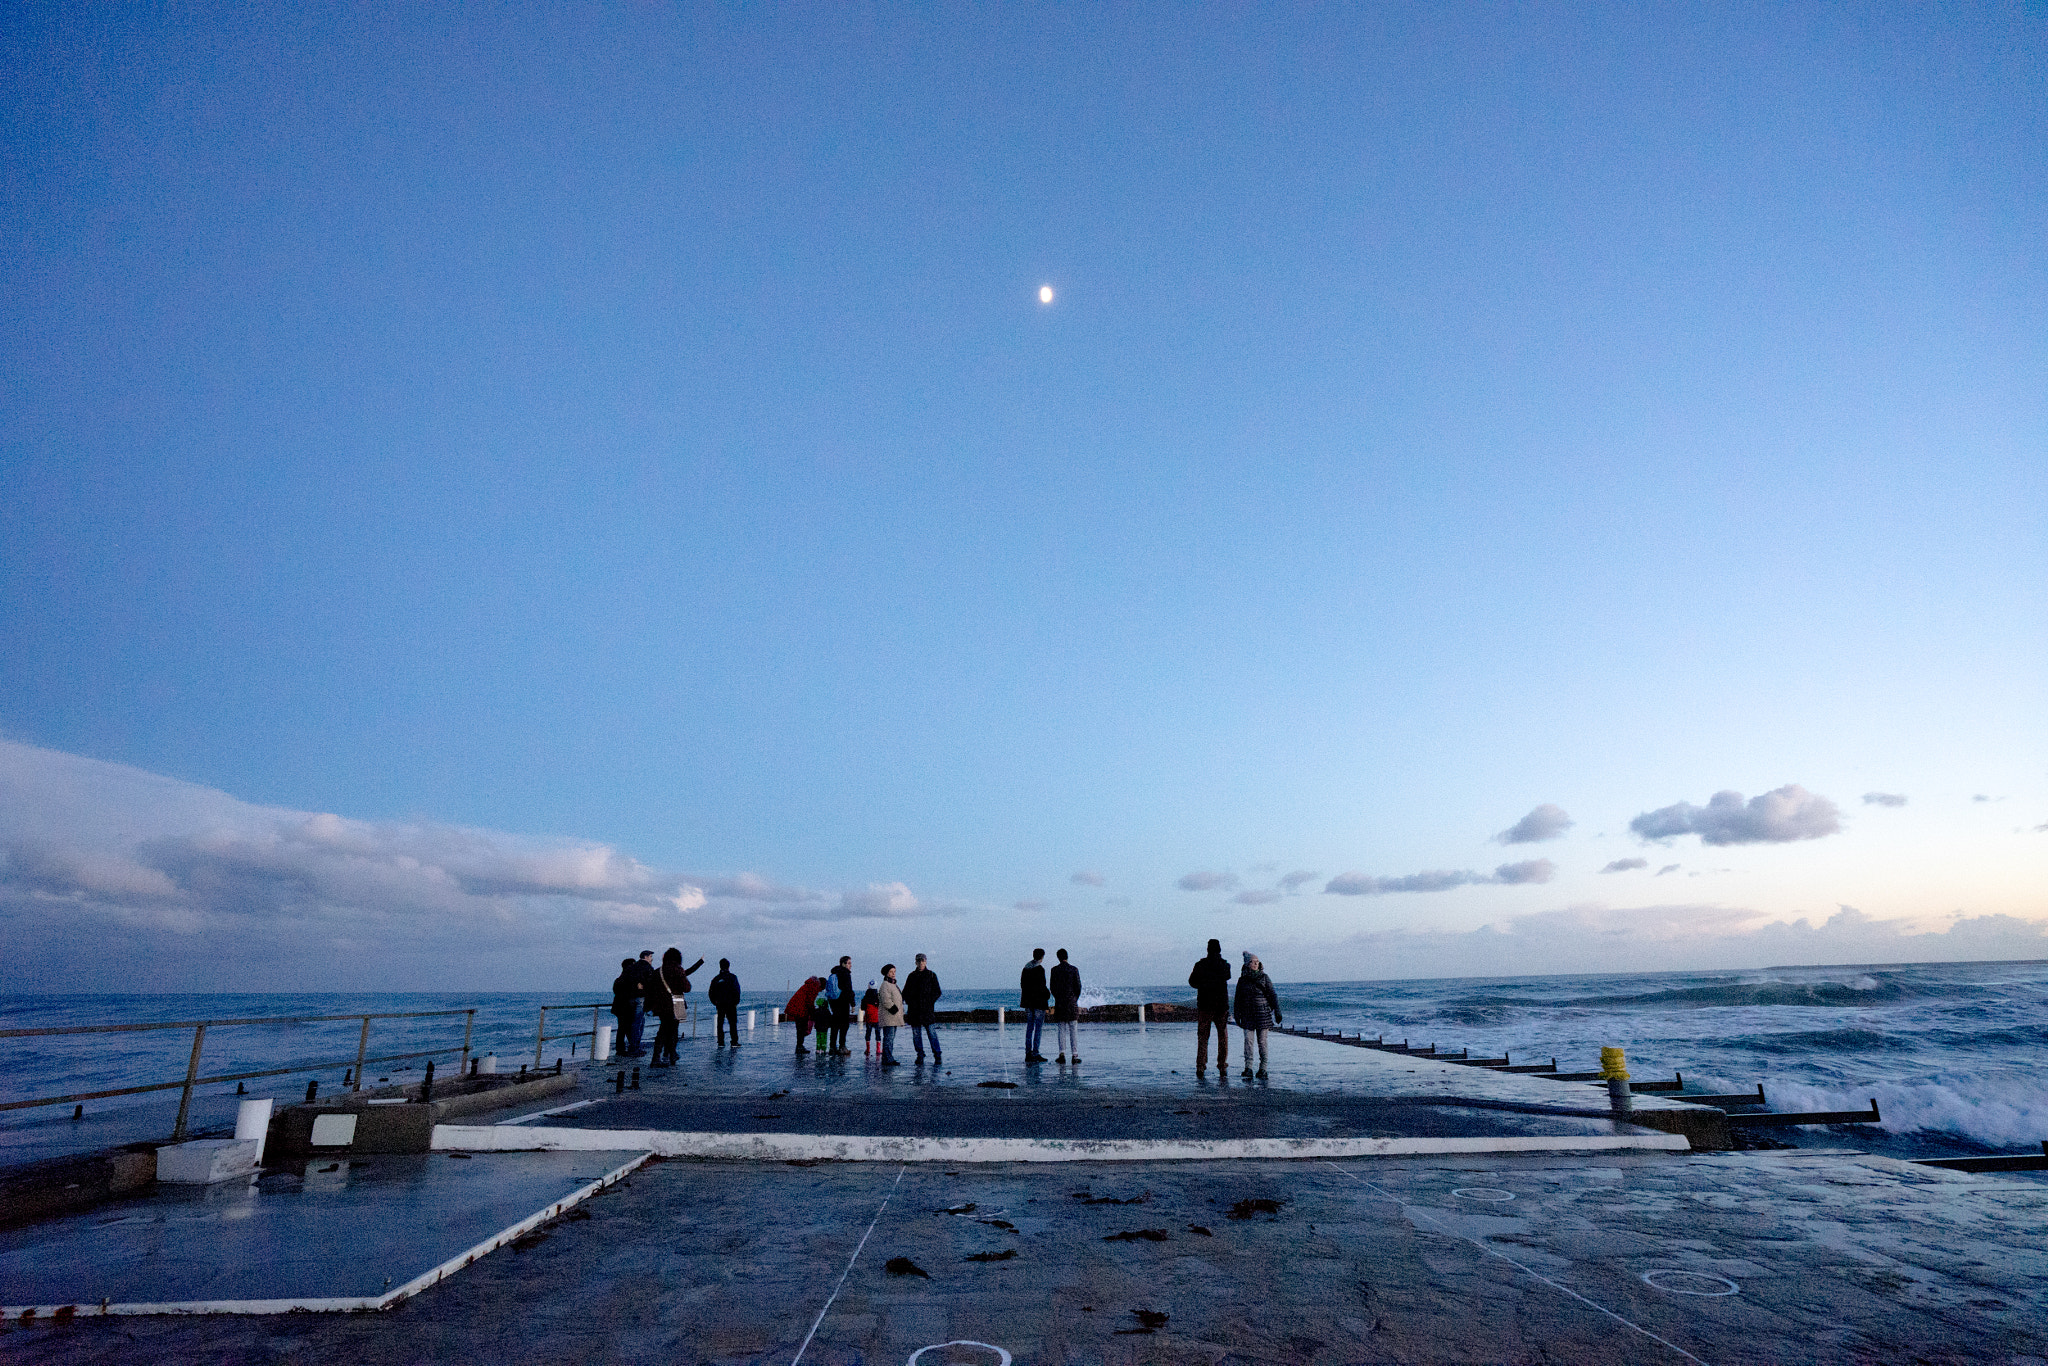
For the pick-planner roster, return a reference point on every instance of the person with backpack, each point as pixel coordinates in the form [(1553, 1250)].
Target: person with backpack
[(920, 1007), (871, 1018), (1258, 1010), (1034, 995), (1066, 1008), (798, 1010), (724, 994)]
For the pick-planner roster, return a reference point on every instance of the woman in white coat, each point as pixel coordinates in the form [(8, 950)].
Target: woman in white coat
[(892, 1014)]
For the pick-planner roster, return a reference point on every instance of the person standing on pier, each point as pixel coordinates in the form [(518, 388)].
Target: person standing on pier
[(645, 975), (920, 1006), (724, 994), (661, 1003), (1258, 1010), (1066, 1008), (871, 1017), (626, 1003), (1034, 996), (1211, 981), (890, 1012), (842, 1006)]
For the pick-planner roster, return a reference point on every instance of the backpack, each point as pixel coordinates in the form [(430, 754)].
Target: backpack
[(799, 1007)]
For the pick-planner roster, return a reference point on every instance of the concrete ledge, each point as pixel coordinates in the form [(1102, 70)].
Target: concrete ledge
[(402, 1128), (850, 1148), (498, 1097), (68, 1183)]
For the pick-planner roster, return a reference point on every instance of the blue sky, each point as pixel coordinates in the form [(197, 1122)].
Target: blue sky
[(636, 429)]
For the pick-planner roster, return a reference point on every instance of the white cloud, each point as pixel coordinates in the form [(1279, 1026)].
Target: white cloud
[(1668, 868), (1626, 865), (1206, 882), (1088, 879), (1777, 817), (879, 898), (1884, 799), (1546, 822), (1294, 881), (1440, 880)]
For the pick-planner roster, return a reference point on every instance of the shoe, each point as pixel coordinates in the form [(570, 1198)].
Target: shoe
[(1076, 1060), (920, 1060), (891, 1062), (1061, 1060), (1247, 1072), (801, 1049), (1261, 1074), (1199, 1074)]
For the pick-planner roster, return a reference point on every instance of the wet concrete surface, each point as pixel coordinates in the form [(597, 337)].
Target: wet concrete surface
[(1724, 1258)]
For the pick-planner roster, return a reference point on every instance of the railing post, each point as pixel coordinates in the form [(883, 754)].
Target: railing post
[(593, 1030), (540, 1031), (468, 1024), (191, 1075), (362, 1047)]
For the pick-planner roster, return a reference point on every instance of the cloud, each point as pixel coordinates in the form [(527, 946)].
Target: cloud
[(1087, 879), (1294, 881), (1116, 901), (189, 870), (1440, 880), (1256, 898), (1206, 882), (1778, 817), (1546, 822), (1626, 865), (1668, 868), (1027, 906), (1884, 799), (1980, 797)]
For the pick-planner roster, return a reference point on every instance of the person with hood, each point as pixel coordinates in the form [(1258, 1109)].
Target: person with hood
[(1258, 1010), (871, 1017), (842, 1006), (920, 1007), (626, 1003), (1066, 1008), (798, 1010), (1211, 981), (889, 1010), (724, 994), (1034, 995)]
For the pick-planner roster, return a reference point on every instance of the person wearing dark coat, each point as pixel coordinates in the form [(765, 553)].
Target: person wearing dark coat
[(671, 983), (1066, 1007), (724, 995), (642, 973), (1034, 995), (1258, 1009), (1211, 981), (842, 1007), (920, 1008), (626, 1001)]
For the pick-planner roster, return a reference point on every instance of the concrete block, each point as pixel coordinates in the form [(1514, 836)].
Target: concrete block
[(351, 1127), (204, 1161)]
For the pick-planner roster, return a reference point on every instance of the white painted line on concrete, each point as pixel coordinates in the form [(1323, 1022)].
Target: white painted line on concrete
[(1421, 1213), (542, 1114), (849, 1268), (856, 1148), (59, 1312)]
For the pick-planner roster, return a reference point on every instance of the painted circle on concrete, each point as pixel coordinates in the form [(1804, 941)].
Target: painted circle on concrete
[(1690, 1283), (1002, 1357), (1484, 1193)]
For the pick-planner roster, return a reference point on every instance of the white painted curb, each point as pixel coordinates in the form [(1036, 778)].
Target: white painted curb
[(53, 1313), (850, 1148)]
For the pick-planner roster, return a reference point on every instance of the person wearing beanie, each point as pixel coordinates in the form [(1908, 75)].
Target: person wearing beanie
[(1258, 1010)]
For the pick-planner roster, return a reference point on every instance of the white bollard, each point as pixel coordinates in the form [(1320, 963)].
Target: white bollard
[(750, 1022), (775, 1016), (1141, 1013), (601, 1045), (252, 1120), (1000, 1022), (489, 1066)]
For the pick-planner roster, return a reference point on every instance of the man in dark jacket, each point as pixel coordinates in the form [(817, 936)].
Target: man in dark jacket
[(1034, 995), (645, 984), (1066, 1007), (724, 993), (842, 1007), (1211, 981), (920, 1005), (626, 1002)]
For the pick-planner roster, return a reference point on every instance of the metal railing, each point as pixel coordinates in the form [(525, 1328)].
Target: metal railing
[(199, 1027), (541, 1037)]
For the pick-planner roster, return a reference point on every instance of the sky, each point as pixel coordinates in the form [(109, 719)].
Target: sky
[(1496, 488)]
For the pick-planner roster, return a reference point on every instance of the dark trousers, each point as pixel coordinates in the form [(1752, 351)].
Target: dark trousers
[(729, 1016), (841, 1024), (1220, 1022), (623, 1036), (665, 1039), (919, 1033)]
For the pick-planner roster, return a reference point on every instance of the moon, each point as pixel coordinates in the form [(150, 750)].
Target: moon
[(1045, 294)]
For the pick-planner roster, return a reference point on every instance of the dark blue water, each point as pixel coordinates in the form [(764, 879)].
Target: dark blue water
[(1951, 1052)]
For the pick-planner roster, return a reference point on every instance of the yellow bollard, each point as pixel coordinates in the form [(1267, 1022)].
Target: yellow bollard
[(1615, 1066)]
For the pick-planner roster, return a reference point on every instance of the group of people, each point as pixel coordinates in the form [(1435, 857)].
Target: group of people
[(824, 1006), (642, 989), (1256, 1009)]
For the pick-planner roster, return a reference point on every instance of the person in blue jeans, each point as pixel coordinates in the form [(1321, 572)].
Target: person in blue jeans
[(921, 995), (1036, 995), (890, 1013)]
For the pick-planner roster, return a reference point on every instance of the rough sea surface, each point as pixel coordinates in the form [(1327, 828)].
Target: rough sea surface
[(1952, 1052)]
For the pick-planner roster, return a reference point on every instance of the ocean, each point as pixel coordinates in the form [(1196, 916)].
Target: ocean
[(1952, 1052)]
